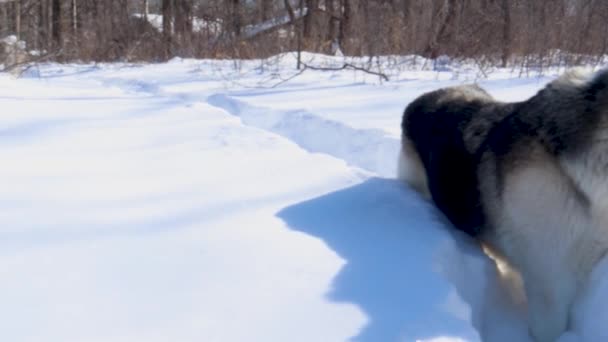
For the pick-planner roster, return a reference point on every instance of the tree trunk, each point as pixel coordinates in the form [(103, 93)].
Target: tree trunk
[(50, 42), (290, 12), (3, 20), (183, 25), (345, 22), (265, 7), (396, 27), (18, 19), (75, 21), (309, 22), (332, 22), (506, 33), (443, 34), (56, 24), (146, 9), (41, 31), (183, 17), (167, 13), (299, 34), (235, 14)]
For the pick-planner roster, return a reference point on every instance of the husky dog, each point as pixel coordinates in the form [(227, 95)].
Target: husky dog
[(529, 180)]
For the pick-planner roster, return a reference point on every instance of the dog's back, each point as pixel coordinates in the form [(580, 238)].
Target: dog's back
[(543, 178)]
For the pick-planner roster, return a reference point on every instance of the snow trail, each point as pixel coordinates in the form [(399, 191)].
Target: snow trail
[(369, 149)]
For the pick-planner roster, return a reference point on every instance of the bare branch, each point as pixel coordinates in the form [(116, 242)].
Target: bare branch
[(348, 66)]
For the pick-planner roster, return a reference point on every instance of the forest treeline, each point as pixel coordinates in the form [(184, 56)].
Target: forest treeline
[(500, 31)]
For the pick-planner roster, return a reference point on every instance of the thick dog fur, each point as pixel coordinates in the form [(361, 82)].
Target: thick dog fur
[(529, 180)]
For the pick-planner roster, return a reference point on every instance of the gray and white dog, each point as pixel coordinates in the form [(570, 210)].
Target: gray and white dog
[(529, 180)]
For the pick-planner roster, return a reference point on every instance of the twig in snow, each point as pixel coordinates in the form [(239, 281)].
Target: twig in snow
[(347, 66)]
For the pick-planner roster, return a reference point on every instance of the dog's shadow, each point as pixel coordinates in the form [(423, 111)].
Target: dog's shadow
[(392, 242)]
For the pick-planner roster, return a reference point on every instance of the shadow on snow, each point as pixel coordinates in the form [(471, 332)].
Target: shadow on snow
[(392, 242)]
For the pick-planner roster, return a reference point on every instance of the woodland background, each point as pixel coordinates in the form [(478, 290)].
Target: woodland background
[(499, 32)]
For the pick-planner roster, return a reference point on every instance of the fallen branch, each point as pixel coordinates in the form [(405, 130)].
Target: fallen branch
[(33, 60), (347, 66), (285, 80), (274, 82)]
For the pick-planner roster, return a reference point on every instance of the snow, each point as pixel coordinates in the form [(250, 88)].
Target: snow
[(10, 40), (216, 201), (252, 30), (215, 27), (198, 24)]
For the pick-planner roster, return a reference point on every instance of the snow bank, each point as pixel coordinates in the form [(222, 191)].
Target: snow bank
[(175, 202), (369, 149)]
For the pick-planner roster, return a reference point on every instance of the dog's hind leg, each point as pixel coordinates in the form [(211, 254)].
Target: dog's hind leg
[(538, 217), (550, 298)]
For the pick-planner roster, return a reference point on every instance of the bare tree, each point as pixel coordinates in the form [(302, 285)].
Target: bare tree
[(506, 33), (167, 13), (74, 18), (146, 9), (531, 32), (17, 18), (57, 33), (235, 18), (4, 29), (265, 7)]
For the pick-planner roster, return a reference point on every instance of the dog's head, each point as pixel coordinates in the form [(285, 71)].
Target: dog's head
[(436, 156), (432, 123)]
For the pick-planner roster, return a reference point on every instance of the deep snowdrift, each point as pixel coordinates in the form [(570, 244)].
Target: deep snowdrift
[(192, 201)]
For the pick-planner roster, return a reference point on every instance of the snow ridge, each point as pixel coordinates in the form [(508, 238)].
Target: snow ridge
[(369, 149)]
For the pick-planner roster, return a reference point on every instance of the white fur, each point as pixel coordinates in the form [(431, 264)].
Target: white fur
[(533, 227), (411, 170), (573, 79), (552, 222), (551, 226)]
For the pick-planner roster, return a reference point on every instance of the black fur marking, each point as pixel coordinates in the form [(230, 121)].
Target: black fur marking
[(451, 169)]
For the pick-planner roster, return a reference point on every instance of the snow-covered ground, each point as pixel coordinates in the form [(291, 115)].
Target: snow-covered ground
[(223, 201)]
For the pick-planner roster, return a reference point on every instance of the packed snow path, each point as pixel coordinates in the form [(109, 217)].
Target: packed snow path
[(175, 202)]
